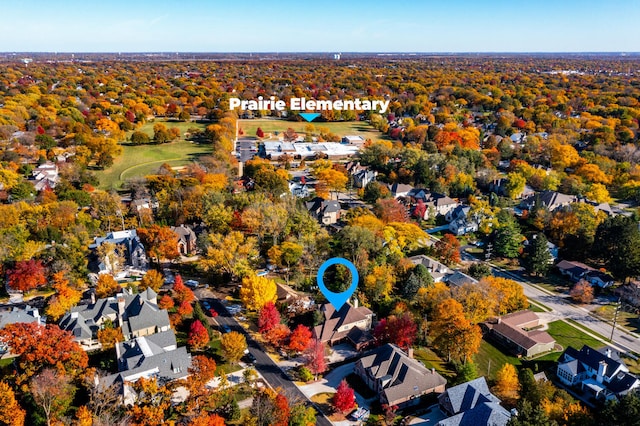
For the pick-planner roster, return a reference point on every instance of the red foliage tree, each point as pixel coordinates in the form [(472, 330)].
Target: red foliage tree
[(278, 335), (314, 356), (448, 249), (198, 336), (344, 399), (269, 317), (259, 133), (40, 346), (420, 210), (400, 331), (182, 293), (185, 309), (27, 275), (282, 410), (166, 302), (582, 292), (300, 338), (390, 210)]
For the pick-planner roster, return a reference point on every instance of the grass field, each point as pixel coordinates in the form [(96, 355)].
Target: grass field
[(431, 360), (568, 335), (490, 359), (341, 128)]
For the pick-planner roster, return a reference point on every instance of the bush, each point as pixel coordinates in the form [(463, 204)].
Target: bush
[(305, 374)]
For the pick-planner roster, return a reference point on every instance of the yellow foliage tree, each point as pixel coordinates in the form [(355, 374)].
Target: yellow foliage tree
[(233, 345), (379, 283), (230, 253), (507, 294), (257, 291), (107, 286), (334, 180), (507, 385), (152, 279), (10, 411), (65, 298), (598, 193), (453, 334), (430, 297)]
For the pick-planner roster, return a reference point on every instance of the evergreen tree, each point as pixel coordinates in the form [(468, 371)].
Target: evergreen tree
[(538, 256), (530, 415), (508, 239), (419, 278), (617, 245)]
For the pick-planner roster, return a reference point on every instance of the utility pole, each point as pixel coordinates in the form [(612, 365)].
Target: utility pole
[(615, 319)]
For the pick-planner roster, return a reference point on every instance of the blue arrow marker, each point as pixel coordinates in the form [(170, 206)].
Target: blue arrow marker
[(338, 299), (309, 116)]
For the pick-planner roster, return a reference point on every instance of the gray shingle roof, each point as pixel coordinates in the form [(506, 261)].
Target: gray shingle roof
[(466, 396)]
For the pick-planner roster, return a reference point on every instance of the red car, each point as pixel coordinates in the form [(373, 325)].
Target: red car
[(213, 312)]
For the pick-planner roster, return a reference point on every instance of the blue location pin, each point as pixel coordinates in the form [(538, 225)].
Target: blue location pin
[(338, 299)]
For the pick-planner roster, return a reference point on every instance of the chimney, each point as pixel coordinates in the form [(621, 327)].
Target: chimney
[(355, 302), (410, 353), (433, 370), (93, 297), (602, 370), (608, 352), (120, 308)]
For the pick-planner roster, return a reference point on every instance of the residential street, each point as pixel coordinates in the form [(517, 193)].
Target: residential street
[(264, 364)]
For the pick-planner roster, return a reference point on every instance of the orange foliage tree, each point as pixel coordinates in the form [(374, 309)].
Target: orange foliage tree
[(27, 275)]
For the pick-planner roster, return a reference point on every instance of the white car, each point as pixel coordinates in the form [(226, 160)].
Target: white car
[(192, 283)]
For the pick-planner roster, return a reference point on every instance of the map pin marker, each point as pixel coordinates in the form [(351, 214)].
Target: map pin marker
[(338, 299)]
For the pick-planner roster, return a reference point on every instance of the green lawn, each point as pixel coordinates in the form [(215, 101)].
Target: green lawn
[(141, 160), (431, 360), (490, 359), (137, 161), (568, 335), (341, 128)]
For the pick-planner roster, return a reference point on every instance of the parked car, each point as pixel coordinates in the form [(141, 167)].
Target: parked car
[(225, 329), (192, 283), (249, 358), (213, 312)]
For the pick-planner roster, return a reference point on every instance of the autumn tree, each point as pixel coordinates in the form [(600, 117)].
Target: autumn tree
[(332, 179), (109, 335), (160, 242), (390, 210), (314, 357), (11, 413), (278, 335), (452, 332), (344, 399), (447, 249), (582, 292), (257, 291), (166, 302), (300, 338), (231, 253), (39, 347), (152, 403), (65, 298), (53, 392), (507, 385), (301, 415), (107, 286), (182, 293), (259, 133), (26, 275), (379, 283), (152, 279), (399, 330), (233, 346), (508, 295), (269, 317), (198, 336)]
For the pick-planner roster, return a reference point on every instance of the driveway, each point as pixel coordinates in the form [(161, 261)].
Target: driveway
[(330, 382)]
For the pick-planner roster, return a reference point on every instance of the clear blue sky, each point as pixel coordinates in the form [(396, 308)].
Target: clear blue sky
[(328, 26)]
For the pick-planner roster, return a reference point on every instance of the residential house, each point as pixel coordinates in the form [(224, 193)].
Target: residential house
[(438, 271), (362, 175), (439, 204), (499, 186), (472, 404), (577, 271), (397, 379), (137, 314), (17, 315), (353, 140), (601, 374), (458, 279), (461, 222), (186, 239), (398, 190), (517, 332), (155, 356), (299, 189), (128, 245), (350, 323), (292, 299), (326, 212), (45, 176), (551, 200)]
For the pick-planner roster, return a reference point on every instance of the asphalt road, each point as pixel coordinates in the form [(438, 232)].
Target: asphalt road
[(264, 364)]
